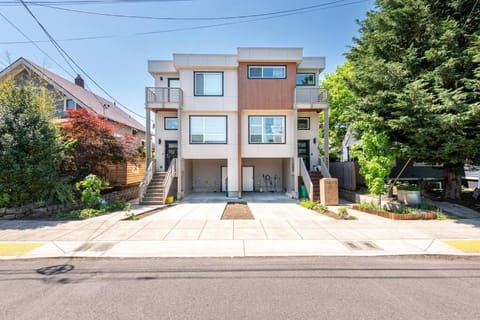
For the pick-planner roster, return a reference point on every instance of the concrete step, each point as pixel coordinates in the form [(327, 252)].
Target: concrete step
[(154, 199), (150, 203), (156, 188)]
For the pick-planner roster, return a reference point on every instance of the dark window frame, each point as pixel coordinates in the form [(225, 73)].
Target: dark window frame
[(262, 66), (165, 123), (304, 118), (269, 116), (208, 95), (306, 85), (207, 116)]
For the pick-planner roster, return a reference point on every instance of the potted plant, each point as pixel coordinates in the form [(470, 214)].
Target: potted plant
[(409, 194)]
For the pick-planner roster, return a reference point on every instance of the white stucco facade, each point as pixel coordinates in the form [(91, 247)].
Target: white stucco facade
[(227, 165)]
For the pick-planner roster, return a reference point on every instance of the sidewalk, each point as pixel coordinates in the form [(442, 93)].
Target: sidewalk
[(195, 230)]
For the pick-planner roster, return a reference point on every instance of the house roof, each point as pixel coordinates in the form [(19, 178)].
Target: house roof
[(83, 97)]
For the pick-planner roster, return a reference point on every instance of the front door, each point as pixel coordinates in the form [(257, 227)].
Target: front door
[(171, 148), (304, 152), (247, 179)]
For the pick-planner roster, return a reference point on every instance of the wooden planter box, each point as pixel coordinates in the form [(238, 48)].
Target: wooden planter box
[(398, 216)]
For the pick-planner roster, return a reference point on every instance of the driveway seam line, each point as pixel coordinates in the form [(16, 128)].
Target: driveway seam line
[(264, 231), (295, 230), (201, 231)]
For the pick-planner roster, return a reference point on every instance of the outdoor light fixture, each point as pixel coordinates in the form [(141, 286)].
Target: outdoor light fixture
[(161, 78), (314, 140), (159, 141)]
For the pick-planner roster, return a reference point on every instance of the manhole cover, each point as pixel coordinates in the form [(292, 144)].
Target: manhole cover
[(237, 211), (361, 245)]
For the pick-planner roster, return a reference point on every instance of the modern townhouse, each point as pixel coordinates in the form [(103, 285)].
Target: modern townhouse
[(235, 123)]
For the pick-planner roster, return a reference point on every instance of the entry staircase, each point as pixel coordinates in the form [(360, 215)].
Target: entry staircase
[(155, 190), (156, 185), (311, 179), (315, 177)]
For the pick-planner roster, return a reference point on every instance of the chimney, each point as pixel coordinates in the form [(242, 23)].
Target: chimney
[(79, 81)]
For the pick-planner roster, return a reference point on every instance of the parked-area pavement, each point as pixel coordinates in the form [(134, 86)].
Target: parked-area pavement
[(194, 229)]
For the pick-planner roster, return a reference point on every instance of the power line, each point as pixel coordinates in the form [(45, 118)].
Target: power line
[(36, 45), (193, 27), (81, 2), (60, 49), (193, 18)]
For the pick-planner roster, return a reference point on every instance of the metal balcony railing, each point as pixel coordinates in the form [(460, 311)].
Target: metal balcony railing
[(311, 95), (164, 96)]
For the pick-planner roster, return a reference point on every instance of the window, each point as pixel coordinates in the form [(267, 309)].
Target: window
[(267, 72), (266, 129), (208, 83), (303, 123), (208, 129), (171, 123), (305, 79), (69, 104)]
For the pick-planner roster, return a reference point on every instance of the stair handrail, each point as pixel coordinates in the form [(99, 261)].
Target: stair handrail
[(142, 190), (324, 170), (167, 182), (306, 178)]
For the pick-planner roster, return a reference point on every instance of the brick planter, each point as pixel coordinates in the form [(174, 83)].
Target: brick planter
[(398, 216)]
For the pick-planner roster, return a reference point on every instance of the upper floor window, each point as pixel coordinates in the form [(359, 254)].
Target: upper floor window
[(305, 79), (266, 129), (171, 123), (267, 72), (208, 83), (303, 123), (69, 104), (208, 129)]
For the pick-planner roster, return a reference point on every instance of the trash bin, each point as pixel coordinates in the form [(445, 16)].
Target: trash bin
[(303, 192)]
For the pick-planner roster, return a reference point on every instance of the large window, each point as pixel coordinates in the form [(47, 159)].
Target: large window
[(267, 72), (266, 129), (208, 129), (69, 104), (305, 79), (208, 83)]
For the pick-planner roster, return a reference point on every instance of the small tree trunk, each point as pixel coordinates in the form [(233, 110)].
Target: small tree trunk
[(453, 182)]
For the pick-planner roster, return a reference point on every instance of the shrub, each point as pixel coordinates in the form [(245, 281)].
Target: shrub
[(90, 188), (343, 212)]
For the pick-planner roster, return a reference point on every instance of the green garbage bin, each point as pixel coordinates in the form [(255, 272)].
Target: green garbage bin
[(303, 192)]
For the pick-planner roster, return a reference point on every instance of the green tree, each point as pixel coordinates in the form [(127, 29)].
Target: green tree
[(416, 75), (341, 102), (375, 156), (30, 148)]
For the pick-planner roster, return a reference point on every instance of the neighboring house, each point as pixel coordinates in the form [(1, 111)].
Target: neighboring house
[(238, 122), (72, 95)]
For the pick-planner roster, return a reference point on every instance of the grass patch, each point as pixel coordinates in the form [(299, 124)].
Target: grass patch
[(320, 208)]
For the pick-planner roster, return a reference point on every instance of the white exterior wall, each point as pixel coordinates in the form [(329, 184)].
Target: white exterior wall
[(263, 168), (206, 175), (165, 135), (309, 135), (261, 150), (228, 102)]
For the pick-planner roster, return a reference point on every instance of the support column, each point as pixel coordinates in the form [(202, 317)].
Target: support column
[(148, 136), (326, 144), (180, 162)]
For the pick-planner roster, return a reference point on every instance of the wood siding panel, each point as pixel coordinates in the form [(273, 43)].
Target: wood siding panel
[(126, 173), (266, 93)]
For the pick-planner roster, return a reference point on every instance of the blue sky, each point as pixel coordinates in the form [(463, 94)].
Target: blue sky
[(119, 63)]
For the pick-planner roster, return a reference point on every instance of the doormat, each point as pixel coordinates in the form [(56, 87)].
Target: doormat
[(237, 211)]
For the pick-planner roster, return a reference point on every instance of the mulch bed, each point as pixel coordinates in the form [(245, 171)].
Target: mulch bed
[(237, 211), (398, 216)]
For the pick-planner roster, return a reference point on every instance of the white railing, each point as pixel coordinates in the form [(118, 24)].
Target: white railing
[(146, 180), (164, 96), (324, 170), (311, 95), (306, 178), (167, 182)]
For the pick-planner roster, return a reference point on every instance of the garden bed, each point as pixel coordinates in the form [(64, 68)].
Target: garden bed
[(430, 215)]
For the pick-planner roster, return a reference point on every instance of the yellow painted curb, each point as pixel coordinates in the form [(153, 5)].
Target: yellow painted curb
[(17, 249), (469, 246)]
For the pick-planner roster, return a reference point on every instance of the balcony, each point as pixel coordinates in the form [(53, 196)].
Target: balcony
[(311, 98), (163, 98)]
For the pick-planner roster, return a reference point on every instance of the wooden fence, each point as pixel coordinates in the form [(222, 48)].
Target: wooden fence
[(124, 174), (347, 174)]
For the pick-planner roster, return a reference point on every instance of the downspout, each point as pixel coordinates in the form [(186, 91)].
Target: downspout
[(148, 138)]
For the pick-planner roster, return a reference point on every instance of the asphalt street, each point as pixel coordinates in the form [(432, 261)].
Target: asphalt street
[(242, 288)]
